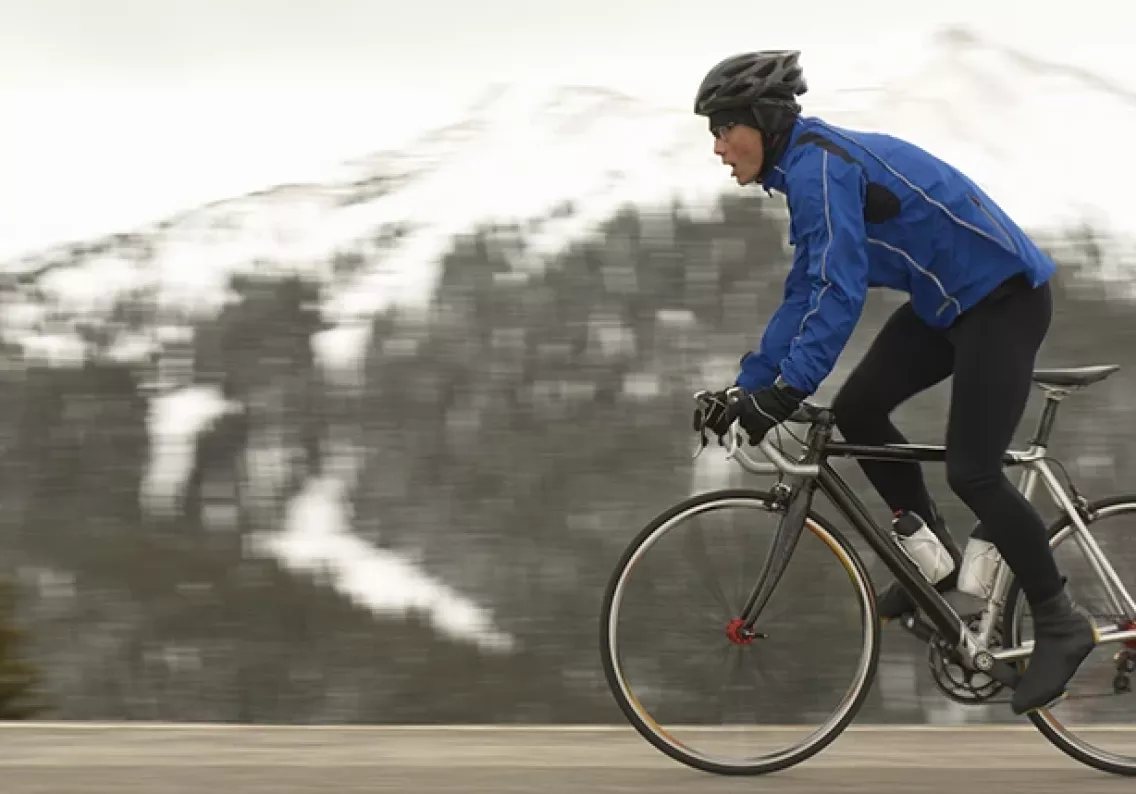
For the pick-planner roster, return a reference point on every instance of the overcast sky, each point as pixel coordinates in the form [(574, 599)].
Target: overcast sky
[(463, 42), (114, 108)]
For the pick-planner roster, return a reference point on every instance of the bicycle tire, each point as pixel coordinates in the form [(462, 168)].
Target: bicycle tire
[(853, 701), (1060, 738)]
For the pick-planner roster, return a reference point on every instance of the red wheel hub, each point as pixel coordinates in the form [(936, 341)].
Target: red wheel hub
[(737, 634)]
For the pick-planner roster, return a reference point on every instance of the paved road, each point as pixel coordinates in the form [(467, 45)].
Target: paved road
[(131, 759)]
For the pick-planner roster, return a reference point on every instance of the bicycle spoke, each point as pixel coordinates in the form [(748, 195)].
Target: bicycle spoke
[(732, 665), (743, 557), (697, 553), (778, 683), (705, 615)]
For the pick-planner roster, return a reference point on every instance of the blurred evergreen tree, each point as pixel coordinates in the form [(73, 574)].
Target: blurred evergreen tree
[(19, 678)]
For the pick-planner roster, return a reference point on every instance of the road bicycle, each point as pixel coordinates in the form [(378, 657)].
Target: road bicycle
[(973, 656)]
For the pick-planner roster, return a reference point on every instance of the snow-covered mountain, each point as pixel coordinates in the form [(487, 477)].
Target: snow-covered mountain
[(556, 163), (1042, 137), (1045, 139)]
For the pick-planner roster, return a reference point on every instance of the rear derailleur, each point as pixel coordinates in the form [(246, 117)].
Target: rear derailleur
[(1125, 666)]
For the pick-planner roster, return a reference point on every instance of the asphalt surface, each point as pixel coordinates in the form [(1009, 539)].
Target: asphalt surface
[(136, 758)]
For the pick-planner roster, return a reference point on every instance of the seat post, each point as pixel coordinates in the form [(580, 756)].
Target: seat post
[(1053, 398)]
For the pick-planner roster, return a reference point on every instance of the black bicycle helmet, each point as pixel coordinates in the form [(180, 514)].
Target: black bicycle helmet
[(752, 80)]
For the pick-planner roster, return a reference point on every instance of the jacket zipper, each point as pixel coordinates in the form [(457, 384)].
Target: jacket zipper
[(994, 221)]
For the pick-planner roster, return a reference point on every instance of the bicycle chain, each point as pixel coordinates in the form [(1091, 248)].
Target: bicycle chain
[(938, 656)]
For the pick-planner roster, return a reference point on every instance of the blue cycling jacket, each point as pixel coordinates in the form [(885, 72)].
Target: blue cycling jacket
[(870, 210)]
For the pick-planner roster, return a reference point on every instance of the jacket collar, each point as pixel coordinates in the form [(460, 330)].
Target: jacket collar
[(775, 177)]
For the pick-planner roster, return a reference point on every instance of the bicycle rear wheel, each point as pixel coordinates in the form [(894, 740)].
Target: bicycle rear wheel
[(824, 603), (1094, 723)]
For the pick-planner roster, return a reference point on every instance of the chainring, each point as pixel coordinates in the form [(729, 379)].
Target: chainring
[(969, 687)]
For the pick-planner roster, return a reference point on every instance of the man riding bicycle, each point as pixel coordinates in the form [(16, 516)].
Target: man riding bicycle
[(870, 210)]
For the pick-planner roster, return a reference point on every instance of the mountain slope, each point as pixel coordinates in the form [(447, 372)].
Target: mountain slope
[(559, 163), (1041, 136)]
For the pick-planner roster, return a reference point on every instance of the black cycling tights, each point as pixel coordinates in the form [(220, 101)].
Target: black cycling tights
[(990, 351)]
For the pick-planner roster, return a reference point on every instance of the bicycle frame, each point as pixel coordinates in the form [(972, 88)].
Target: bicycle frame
[(813, 471)]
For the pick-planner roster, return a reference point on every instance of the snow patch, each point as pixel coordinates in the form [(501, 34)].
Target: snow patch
[(318, 536), (174, 422), (341, 352)]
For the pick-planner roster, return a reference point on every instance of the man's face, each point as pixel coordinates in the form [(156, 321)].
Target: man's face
[(740, 146)]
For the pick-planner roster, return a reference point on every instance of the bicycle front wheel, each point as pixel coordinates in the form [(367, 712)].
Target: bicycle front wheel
[(699, 691)]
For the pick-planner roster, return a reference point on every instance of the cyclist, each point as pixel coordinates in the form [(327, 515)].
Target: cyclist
[(870, 210)]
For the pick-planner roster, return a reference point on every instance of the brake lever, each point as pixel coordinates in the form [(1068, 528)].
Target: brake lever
[(733, 395), (703, 443), (735, 442), (700, 398), (703, 397)]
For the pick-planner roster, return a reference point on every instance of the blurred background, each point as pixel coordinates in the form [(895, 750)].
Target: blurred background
[(345, 345)]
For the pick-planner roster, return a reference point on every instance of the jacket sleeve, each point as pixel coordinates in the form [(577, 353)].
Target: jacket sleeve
[(761, 367), (826, 200)]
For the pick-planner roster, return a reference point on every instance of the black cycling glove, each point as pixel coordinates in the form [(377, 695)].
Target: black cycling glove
[(760, 411)]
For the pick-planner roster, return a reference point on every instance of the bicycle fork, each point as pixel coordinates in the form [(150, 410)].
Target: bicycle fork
[(784, 544)]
